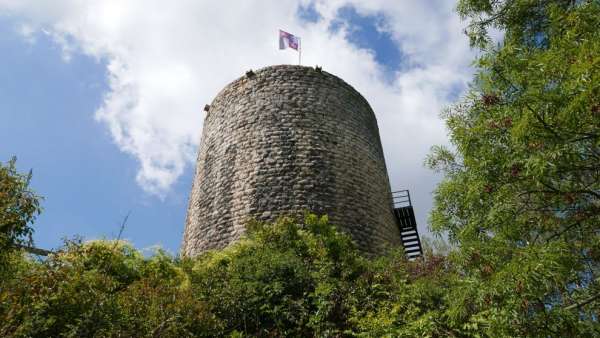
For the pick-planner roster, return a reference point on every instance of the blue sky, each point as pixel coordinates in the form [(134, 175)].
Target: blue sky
[(47, 120), (79, 101)]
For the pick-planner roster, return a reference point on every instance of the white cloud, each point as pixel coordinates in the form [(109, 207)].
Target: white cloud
[(165, 61)]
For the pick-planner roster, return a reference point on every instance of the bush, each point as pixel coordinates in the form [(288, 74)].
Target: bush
[(289, 278), (101, 288)]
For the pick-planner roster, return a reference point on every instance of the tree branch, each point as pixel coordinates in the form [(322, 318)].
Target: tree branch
[(583, 303), (34, 250)]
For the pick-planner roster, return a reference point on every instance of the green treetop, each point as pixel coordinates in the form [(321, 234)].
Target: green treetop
[(521, 194), (19, 207)]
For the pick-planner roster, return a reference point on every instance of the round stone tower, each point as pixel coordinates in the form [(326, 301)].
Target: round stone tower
[(283, 140)]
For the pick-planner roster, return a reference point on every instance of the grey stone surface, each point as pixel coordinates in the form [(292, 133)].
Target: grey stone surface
[(282, 141)]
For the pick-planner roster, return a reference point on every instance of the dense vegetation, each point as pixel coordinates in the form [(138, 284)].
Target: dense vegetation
[(288, 278), (520, 202), (19, 207), (521, 195)]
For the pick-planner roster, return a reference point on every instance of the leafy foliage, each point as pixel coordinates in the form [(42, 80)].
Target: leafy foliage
[(521, 197), (100, 289), (285, 279), (19, 207)]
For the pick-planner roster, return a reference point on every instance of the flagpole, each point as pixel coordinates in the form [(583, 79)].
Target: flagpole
[(299, 51)]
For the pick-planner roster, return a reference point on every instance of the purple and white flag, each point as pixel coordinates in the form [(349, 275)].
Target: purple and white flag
[(287, 40)]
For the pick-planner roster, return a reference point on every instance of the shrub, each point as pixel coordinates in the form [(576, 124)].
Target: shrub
[(289, 278)]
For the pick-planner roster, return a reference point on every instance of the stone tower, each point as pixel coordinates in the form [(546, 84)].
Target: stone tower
[(283, 140)]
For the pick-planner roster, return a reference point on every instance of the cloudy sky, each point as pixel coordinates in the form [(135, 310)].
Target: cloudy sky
[(103, 99)]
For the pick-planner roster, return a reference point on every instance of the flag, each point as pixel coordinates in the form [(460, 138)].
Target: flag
[(288, 40)]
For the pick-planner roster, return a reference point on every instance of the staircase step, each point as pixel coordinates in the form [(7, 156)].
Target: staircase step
[(415, 245), (410, 239)]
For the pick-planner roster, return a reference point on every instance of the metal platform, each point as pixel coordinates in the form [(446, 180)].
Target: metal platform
[(405, 218)]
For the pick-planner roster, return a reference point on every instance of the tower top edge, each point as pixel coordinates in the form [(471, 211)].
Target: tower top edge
[(294, 71)]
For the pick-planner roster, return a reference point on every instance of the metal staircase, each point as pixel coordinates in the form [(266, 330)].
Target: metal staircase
[(405, 217)]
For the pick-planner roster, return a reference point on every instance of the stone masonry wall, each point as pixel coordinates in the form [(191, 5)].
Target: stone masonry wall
[(284, 140)]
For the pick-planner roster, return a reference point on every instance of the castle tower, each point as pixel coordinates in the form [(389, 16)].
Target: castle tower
[(283, 140)]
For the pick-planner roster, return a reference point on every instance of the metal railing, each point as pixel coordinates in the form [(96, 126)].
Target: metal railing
[(401, 198)]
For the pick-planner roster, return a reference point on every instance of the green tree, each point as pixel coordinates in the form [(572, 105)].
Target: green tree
[(19, 206), (521, 194)]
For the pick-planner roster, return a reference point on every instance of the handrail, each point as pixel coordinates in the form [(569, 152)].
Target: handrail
[(401, 198)]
